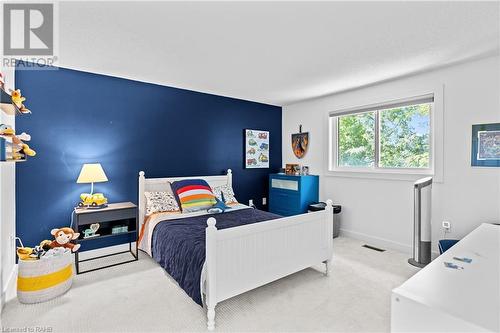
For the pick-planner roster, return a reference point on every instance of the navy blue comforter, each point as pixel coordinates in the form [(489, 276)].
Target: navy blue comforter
[(179, 245)]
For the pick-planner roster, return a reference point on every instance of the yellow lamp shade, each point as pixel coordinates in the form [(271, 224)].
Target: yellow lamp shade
[(92, 173)]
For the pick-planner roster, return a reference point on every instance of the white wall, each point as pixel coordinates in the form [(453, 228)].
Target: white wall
[(380, 210), (7, 212)]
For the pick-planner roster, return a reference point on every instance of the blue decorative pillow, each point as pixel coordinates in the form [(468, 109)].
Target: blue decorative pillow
[(219, 207)]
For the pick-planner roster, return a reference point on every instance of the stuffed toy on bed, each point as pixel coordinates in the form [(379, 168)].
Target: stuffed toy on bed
[(219, 207)]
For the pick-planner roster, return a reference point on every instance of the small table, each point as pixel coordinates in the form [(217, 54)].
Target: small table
[(115, 214)]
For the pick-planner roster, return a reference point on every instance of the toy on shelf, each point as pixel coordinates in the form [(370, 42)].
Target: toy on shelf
[(14, 148), (27, 150), (6, 130), (91, 232), (12, 103), (63, 238), (18, 99), (96, 200)]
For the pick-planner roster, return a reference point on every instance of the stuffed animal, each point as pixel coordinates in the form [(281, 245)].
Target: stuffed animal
[(18, 100), (63, 237), (45, 245), (25, 253), (18, 140), (27, 150), (6, 130)]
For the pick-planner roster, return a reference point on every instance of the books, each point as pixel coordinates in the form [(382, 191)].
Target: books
[(3, 149), (10, 151)]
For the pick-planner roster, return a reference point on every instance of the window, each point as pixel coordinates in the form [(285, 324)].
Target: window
[(356, 140), (392, 136)]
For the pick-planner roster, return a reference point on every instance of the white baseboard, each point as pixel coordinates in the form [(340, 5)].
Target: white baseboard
[(382, 242), (377, 241)]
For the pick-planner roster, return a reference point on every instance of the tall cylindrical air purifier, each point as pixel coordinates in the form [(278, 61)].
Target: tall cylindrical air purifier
[(422, 222)]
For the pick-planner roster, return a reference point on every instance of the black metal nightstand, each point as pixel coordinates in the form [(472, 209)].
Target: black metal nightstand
[(116, 215)]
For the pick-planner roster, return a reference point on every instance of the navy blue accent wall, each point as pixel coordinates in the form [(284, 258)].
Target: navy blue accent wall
[(127, 126)]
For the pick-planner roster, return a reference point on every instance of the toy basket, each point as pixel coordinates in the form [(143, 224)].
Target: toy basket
[(44, 279)]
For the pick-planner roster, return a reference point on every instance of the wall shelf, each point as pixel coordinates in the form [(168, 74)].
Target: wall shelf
[(106, 236), (14, 161), (11, 144)]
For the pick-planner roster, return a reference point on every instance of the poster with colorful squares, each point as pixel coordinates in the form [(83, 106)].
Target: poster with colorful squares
[(256, 149)]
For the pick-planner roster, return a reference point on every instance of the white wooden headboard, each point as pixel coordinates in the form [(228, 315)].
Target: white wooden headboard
[(159, 184)]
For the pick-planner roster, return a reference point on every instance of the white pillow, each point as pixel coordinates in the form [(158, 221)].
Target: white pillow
[(157, 202), (228, 193)]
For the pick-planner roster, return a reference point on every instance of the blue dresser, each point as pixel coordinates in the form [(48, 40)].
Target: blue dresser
[(290, 195)]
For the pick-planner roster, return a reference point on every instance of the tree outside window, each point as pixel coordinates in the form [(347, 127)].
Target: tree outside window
[(402, 139)]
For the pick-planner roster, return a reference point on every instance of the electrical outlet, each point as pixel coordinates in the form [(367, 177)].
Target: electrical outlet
[(264, 201), (446, 225), (250, 202)]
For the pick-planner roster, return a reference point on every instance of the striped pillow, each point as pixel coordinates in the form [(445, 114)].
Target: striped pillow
[(193, 195)]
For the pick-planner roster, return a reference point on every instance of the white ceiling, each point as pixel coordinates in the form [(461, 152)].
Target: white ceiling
[(273, 52)]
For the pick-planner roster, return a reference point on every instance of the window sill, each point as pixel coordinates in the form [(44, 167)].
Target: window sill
[(402, 175)]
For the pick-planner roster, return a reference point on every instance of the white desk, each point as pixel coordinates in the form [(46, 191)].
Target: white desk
[(440, 299)]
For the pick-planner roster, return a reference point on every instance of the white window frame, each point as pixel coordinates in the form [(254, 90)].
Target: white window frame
[(435, 144)]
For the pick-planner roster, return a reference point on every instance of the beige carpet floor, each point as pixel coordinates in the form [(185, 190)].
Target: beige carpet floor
[(140, 297)]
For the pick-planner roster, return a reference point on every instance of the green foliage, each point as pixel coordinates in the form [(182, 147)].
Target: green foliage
[(404, 138), (357, 140)]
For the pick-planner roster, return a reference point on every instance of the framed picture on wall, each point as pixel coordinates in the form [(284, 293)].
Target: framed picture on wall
[(256, 149), (485, 149)]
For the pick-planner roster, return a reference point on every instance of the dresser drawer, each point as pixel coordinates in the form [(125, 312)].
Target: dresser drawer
[(284, 195), (284, 184), (284, 200), (284, 212)]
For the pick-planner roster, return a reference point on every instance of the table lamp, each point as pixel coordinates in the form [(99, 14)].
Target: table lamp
[(92, 173)]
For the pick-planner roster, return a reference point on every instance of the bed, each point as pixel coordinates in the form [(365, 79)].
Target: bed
[(214, 257)]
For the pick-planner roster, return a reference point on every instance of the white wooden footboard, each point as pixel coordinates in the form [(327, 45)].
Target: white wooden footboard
[(246, 257)]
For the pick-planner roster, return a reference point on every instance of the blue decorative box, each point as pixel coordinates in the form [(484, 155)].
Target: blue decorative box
[(119, 229)]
